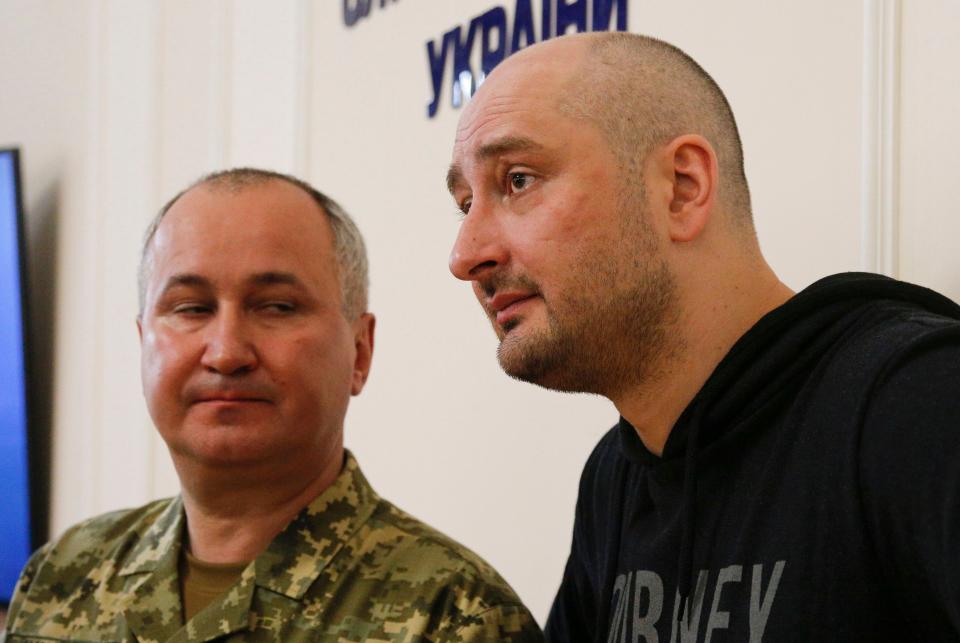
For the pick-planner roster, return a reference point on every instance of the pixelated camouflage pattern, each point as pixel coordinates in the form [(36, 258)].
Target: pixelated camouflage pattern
[(349, 567)]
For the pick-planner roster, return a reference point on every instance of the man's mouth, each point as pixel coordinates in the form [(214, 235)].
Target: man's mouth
[(506, 306), (230, 398)]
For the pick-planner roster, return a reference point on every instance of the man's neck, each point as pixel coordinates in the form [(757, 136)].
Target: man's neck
[(232, 516), (706, 334)]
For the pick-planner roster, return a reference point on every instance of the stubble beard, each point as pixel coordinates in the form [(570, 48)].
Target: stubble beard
[(610, 331)]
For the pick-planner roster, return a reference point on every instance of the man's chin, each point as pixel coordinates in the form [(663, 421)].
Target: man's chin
[(225, 445), (528, 359), (544, 361)]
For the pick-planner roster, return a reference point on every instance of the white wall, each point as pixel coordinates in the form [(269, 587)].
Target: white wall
[(45, 51), (929, 134), (847, 112)]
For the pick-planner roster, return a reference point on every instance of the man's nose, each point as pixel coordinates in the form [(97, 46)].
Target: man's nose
[(229, 347), (480, 247)]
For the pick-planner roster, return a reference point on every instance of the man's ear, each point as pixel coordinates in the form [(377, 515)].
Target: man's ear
[(363, 329), (140, 328), (690, 165)]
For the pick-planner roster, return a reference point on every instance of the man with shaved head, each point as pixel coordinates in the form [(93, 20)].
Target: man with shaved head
[(785, 465), (255, 333)]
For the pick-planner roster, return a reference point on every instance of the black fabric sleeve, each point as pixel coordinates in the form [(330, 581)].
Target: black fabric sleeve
[(910, 481), (569, 620), (573, 616)]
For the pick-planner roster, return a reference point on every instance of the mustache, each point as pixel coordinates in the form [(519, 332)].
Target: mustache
[(491, 285), (210, 387)]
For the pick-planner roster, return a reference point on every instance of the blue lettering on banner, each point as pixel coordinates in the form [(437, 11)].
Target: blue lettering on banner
[(522, 26), (571, 14), (356, 10), (497, 39)]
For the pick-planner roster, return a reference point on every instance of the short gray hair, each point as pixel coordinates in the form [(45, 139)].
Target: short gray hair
[(348, 246)]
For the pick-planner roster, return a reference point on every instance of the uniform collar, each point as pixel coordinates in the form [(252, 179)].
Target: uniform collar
[(154, 611), (289, 565), (297, 556), (161, 541)]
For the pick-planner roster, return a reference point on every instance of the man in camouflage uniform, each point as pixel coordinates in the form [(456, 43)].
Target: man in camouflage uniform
[(254, 335)]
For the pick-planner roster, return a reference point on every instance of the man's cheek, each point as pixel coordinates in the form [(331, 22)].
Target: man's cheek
[(477, 292), (482, 300)]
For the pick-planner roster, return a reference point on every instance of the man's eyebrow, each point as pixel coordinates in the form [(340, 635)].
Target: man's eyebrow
[(507, 144), (269, 278), (187, 279), (454, 176), (494, 148)]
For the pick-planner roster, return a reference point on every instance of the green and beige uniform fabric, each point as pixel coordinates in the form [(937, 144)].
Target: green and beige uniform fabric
[(349, 567), (201, 583)]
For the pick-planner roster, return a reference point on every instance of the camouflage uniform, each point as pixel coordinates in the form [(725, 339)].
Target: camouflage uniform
[(349, 567)]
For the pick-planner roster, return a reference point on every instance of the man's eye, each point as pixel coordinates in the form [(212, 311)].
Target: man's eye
[(191, 310), (519, 181), (465, 207), (278, 307)]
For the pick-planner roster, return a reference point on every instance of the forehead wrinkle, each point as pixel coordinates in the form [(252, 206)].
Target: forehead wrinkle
[(493, 108)]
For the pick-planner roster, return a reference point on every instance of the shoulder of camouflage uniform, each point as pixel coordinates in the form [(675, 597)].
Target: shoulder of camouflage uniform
[(24, 583), (488, 607), (438, 548), (60, 565)]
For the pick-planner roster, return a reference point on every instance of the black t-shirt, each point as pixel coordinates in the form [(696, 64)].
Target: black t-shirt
[(821, 498)]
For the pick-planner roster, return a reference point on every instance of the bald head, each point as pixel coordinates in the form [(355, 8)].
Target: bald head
[(640, 92)]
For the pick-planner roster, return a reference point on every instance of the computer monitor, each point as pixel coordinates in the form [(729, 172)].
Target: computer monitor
[(15, 519)]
